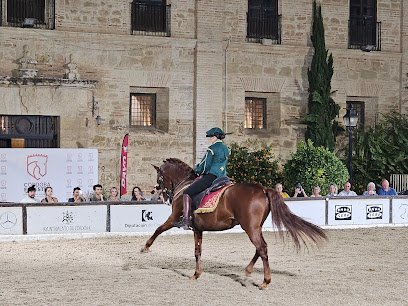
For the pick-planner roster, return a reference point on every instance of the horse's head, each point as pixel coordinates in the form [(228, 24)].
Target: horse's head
[(170, 174)]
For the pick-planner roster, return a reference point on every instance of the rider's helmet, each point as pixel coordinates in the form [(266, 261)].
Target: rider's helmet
[(215, 131)]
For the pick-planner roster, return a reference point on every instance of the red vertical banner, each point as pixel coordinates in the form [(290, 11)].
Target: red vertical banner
[(124, 164)]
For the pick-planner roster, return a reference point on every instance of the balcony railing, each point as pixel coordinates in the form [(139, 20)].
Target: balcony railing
[(263, 24), (151, 19), (365, 34), (28, 13)]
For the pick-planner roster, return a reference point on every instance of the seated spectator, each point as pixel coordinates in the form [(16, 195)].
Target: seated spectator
[(113, 194), (30, 197), (386, 189), (48, 196), (299, 191), (279, 189), (316, 192), (157, 195), (370, 189), (332, 190), (137, 194), (347, 192), (98, 193), (77, 196)]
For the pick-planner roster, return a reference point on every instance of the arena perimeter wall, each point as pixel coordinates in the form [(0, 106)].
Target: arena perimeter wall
[(145, 217)]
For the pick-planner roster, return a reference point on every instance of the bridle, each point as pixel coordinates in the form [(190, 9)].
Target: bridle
[(175, 190)]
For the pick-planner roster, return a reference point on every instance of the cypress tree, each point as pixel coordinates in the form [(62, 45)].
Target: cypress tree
[(321, 126)]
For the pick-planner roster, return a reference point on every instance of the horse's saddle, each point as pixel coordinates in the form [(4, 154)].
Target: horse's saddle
[(211, 194)]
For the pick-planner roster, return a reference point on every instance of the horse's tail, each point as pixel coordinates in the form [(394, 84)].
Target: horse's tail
[(298, 228)]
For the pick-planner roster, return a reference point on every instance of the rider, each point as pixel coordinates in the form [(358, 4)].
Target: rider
[(212, 166)]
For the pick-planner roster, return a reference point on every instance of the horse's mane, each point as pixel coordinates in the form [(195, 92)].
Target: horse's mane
[(182, 166)]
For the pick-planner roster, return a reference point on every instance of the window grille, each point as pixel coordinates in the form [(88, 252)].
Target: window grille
[(255, 113), (143, 110)]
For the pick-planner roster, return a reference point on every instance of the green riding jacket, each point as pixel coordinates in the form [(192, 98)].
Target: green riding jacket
[(215, 160)]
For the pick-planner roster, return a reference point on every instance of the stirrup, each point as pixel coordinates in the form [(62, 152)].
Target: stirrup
[(183, 223)]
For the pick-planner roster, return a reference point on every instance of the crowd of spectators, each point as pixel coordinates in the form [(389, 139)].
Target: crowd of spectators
[(298, 191), (96, 196)]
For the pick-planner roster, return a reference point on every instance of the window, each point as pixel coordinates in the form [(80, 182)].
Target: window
[(360, 109), (263, 21), (151, 17), (364, 30), (29, 131), (142, 109), (255, 113), (28, 13)]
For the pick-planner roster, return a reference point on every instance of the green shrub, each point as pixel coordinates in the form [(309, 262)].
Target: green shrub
[(380, 151), (313, 166), (253, 166)]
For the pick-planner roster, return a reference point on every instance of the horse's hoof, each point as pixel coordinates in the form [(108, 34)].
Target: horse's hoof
[(248, 273), (263, 286), (145, 250)]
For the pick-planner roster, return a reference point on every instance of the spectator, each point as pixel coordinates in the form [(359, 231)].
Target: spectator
[(316, 192), (77, 196), (157, 194), (98, 195), (299, 191), (137, 194), (48, 196), (370, 189), (113, 194), (30, 197), (279, 189), (386, 189), (347, 192), (332, 190)]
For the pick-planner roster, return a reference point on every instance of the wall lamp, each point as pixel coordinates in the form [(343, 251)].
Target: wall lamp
[(95, 111)]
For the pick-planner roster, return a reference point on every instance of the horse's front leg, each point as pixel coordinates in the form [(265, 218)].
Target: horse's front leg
[(198, 239), (162, 228)]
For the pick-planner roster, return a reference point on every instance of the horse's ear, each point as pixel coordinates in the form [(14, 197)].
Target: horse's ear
[(157, 168)]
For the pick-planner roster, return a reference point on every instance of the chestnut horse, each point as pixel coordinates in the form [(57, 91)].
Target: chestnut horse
[(245, 204)]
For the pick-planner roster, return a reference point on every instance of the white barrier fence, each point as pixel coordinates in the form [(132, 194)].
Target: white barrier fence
[(18, 218)]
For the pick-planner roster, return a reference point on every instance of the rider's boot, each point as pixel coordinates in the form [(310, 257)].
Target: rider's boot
[(185, 223)]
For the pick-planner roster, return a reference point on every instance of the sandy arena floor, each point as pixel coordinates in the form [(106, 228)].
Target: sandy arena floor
[(356, 267)]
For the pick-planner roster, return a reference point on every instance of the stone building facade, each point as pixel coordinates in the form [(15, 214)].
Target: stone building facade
[(90, 61)]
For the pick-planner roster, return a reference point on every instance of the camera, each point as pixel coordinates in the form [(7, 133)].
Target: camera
[(298, 185)]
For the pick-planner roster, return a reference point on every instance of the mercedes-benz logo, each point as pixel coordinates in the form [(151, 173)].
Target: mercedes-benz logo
[(8, 220)]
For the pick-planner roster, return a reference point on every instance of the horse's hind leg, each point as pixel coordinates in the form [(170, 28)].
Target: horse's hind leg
[(162, 228), (198, 239), (262, 251), (250, 268)]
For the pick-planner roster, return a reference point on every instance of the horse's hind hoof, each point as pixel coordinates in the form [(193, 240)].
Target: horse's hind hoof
[(145, 250), (263, 286)]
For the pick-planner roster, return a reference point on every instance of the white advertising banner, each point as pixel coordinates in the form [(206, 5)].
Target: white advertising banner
[(311, 210), (11, 220), (400, 211), (139, 218), (66, 219), (361, 211), (62, 169)]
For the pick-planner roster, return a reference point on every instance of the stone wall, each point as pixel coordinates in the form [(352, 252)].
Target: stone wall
[(205, 70)]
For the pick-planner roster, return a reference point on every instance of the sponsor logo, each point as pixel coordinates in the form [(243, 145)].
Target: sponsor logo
[(80, 170), (374, 211), (343, 212), (3, 197), (90, 157), (69, 170), (69, 157), (90, 183), (90, 170), (124, 170), (79, 182), (8, 220), (147, 215), (37, 165), (79, 157), (3, 170), (69, 183), (3, 157), (67, 217), (3, 184), (404, 214)]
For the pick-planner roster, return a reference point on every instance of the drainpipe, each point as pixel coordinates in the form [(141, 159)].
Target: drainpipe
[(225, 88)]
